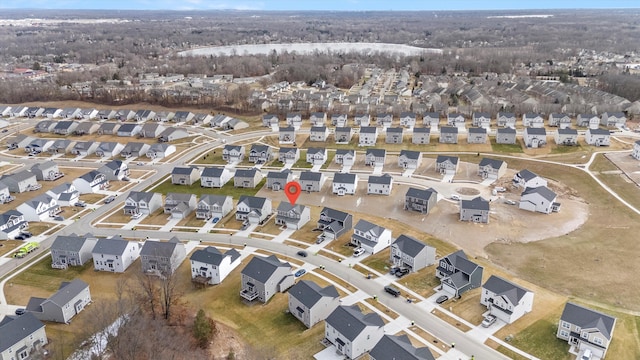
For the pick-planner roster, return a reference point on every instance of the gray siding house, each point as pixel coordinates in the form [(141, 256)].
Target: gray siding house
[(394, 135), (421, 135), (276, 180), (448, 135), (233, 153), (72, 250), (409, 159), (535, 137), (162, 257), (352, 332), (141, 202), (475, 210), (310, 303), (185, 175), (586, 329), (410, 253), (263, 277), (214, 206), (334, 223), (311, 181), (247, 178), (21, 181), (447, 165), (70, 299), (318, 133), (214, 177), (458, 274), (253, 209), (399, 347), (179, 205), (292, 216), (506, 135), (260, 154), (491, 168), (421, 200), (343, 134), (477, 135)]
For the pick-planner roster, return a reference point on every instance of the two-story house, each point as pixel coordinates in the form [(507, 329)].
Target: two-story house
[(491, 168), (534, 137), (481, 120), (311, 303), (597, 137), (339, 120), (394, 135), (421, 135), (115, 255), (276, 180), (288, 156), (318, 119), (345, 157), (371, 237), (398, 347), (528, 179), (292, 216), (448, 135), (72, 250), (334, 223), (539, 199), (162, 257), (269, 120), (362, 119), (319, 133), (316, 156), (375, 157), (109, 149), (506, 119), (410, 253), (247, 178), (160, 150), (586, 329), (91, 182), (260, 154), (311, 181), (447, 165), (212, 266), (142, 202), (344, 184), (566, 136), (11, 224), (368, 136), (179, 205), (506, 135), (475, 210), (431, 119), (352, 332), (263, 277), (532, 120), (380, 185), (115, 170), (65, 194), (559, 120), (408, 119), (134, 150), (409, 159), (343, 134), (477, 135), (286, 135), (20, 181), (185, 175), (420, 200), (613, 119), (233, 153), (70, 299), (40, 208), (214, 177), (23, 337), (253, 209), (212, 206), (458, 274), (506, 300), (46, 171)]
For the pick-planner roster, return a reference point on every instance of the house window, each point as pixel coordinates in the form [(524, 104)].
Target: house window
[(598, 341), (566, 325), (585, 335)]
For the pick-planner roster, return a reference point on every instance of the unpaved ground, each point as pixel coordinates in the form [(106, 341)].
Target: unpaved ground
[(507, 223)]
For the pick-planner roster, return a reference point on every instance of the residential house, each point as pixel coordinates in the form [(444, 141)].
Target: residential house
[(408, 119), (5, 111), (318, 119), (52, 113), (34, 112), (70, 113), (352, 332), (115, 255), (448, 135), (38, 145), (506, 120), (160, 150), (91, 182), (506, 300), (394, 135), (636, 150), (491, 168), (410, 253), (539, 199), (201, 118), (559, 120), (345, 157), (40, 208), (343, 134), (65, 194), (421, 200), (310, 303), (532, 120), (409, 159), (70, 299), (431, 119), (371, 237), (475, 210), (380, 185), (144, 115), (481, 120), (253, 209), (316, 156), (86, 128), (288, 156), (339, 120), (45, 126), (20, 111), (129, 130), (384, 119), (263, 277), (185, 175), (235, 153), (134, 149), (65, 127), (72, 250), (260, 154), (162, 257), (12, 223), (368, 136), (613, 119), (456, 120), (108, 128), (362, 119), (23, 337), (345, 184), (506, 135), (211, 266), (270, 120), (334, 223), (247, 178), (116, 170), (447, 165), (421, 135), (179, 205), (173, 134), (214, 177), (597, 137), (375, 157), (398, 347), (61, 146), (311, 181), (106, 114), (292, 216), (458, 274), (276, 180), (5, 195), (214, 206), (527, 179), (535, 137), (318, 133), (21, 181), (151, 130), (87, 114), (586, 329), (46, 171), (124, 115), (566, 136), (19, 141), (286, 135), (592, 121), (183, 116), (142, 202)]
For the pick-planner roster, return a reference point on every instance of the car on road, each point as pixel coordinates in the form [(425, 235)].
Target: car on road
[(80, 204), (140, 163), (510, 202), (358, 251), (401, 272), (58, 218), (5, 130), (455, 197), (136, 216), (302, 253), (392, 290), (441, 299), (300, 272), (215, 220), (109, 200), (489, 320), (20, 311)]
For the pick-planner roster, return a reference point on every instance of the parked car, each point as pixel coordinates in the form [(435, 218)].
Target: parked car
[(319, 239), (80, 204), (302, 253), (500, 189), (109, 200), (20, 311), (357, 252), (26, 234), (392, 290), (455, 197), (401, 272), (442, 299), (586, 355), (136, 216), (215, 220), (510, 202), (140, 163), (394, 270), (19, 237), (59, 218), (300, 272), (5, 130), (489, 320)]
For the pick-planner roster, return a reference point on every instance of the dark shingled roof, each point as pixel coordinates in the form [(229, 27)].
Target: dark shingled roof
[(213, 256), (588, 319), (349, 321), (544, 191), (477, 203), (502, 287), (309, 293), (494, 163), (261, 268), (392, 347), (409, 245), (15, 329)]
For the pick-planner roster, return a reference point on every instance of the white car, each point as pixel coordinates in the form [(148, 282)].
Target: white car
[(489, 320), (357, 252), (136, 216), (455, 197)]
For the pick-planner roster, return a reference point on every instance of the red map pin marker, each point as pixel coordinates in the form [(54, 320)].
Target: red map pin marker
[(292, 189)]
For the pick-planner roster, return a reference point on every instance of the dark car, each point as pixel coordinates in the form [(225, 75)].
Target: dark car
[(442, 299), (392, 290), (20, 311), (19, 237), (393, 270), (26, 234), (302, 253), (215, 220), (80, 204), (401, 272), (59, 218)]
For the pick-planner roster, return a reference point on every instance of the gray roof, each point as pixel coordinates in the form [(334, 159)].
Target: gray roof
[(318, 129), (279, 174), (346, 129), (313, 176), (128, 127), (588, 319), (213, 256), (368, 130), (69, 242), (107, 146), (421, 193), (506, 130), (286, 129), (477, 130), (258, 148), (110, 246), (399, 347), (180, 170), (384, 179), (544, 191), (246, 172), (212, 199), (536, 131), (443, 158), (409, 245), (459, 260), (141, 195), (481, 114), (159, 147), (335, 214), (183, 197), (285, 150), (91, 175), (376, 152), (14, 329), (599, 131), (349, 321), (568, 131), (345, 151), (410, 154), (449, 130), (114, 164), (421, 130), (502, 287), (309, 293), (158, 248), (254, 202), (62, 188), (212, 171), (477, 203), (344, 178), (67, 291), (20, 176), (365, 226), (526, 174), (506, 114), (316, 150), (397, 130), (262, 268), (36, 201), (494, 163)]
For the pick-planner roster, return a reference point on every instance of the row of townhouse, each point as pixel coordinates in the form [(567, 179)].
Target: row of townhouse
[(433, 119), (81, 128)]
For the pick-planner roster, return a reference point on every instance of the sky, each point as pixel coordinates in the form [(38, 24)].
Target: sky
[(297, 5)]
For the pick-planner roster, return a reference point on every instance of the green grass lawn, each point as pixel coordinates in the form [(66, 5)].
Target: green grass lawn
[(42, 276), (506, 148), (228, 189), (330, 156), (302, 162), (540, 340)]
